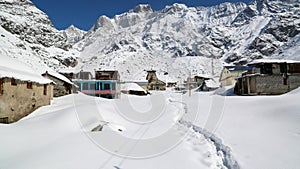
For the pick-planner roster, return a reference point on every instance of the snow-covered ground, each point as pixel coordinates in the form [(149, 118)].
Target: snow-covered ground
[(145, 132)]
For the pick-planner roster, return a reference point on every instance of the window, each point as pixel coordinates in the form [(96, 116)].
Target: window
[(45, 89), (4, 120), (97, 86), (1, 87), (106, 86), (92, 86), (13, 82), (29, 85), (113, 86), (267, 69), (85, 86)]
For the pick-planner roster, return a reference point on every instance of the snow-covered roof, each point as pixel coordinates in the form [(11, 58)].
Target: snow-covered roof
[(272, 61), (204, 76), (69, 70), (212, 83), (131, 86), (236, 68), (59, 76), (13, 68)]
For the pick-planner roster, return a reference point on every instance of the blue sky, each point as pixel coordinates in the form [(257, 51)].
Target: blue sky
[(84, 13)]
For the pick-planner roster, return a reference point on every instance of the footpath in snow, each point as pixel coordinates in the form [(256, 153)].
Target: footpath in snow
[(136, 132)]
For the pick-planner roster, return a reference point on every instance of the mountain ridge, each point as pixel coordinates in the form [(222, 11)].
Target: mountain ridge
[(178, 39)]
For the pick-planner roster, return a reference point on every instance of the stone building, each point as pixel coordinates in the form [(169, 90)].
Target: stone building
[(153, 82), (21, 90), (269, 77), (62, 86)]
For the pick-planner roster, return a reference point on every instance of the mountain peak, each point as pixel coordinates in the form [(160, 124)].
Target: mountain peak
[(174, 8), (142, 8), (103, 21), (73, 28)]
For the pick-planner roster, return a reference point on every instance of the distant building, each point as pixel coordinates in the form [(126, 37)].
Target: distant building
[(21, 90), (75, 74), (133, 89), (230, 73), (106, 84), (171, 84), (142, 83), (62, 86), (153, 82), (201, 82), (269, 77)]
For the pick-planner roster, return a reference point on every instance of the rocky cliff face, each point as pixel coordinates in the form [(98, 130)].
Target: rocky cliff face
[(22, 18), (73, 34), (277, 24), (28, 34)]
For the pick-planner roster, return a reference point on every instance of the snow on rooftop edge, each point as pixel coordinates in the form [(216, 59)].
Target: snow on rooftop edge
[(273, 61), (59, 76), (12, 68)]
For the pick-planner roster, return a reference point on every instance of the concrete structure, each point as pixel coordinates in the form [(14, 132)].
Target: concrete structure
[(230, 73), (269, 77), (63, 85), (106, 84)]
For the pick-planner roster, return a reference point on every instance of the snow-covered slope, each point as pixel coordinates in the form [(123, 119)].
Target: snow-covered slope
[(26, 33), (30, 24), (232, 32), (260, 132), (178, 39), (263, 28)]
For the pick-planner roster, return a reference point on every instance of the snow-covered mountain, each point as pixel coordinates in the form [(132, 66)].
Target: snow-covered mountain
[(178, 39), (28, 34), (73, 34)]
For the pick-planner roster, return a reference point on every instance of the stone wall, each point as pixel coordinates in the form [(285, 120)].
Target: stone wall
[(17, 101), (270, 84), (294, 81)]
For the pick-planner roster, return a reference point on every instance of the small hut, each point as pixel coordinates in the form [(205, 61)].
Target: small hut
[(63, 85), (133, 89)]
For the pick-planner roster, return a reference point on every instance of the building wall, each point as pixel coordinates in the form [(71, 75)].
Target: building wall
[(270, 84), (294, 81), (97, 88), (267, 84), (227, 77), (19, 101)]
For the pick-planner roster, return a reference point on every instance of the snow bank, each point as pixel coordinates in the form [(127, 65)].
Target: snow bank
[(261, 131)]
